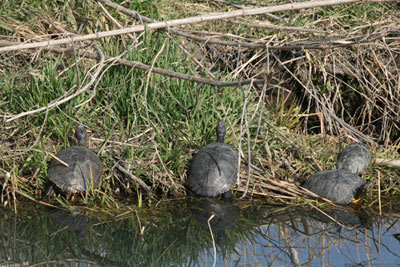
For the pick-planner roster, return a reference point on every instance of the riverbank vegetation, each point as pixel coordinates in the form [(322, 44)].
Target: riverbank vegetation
[(294, 88)]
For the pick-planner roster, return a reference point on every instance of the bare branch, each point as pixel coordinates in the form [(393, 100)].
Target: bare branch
[(144, 67), (329, 44), (177, 22)]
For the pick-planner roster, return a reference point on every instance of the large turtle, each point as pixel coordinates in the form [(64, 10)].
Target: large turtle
[(339, 186), (214, 169), (354, 158), (84, 167)]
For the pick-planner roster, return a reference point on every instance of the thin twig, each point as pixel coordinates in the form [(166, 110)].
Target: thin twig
[(125, 10), (244, 115), (379, 193), (212, 238), (327, 215), (262, 101), (115, 22), (58, 159), (315, 45), (135, 178), (41, 130), (268, 25)]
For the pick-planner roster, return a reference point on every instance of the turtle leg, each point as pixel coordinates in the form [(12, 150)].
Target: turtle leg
[(355, 201), (228, 194), (358, 194)]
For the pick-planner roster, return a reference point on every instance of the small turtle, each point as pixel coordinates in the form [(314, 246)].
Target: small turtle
[(354, 158), (84, 167), (214, 169), (339, 186)]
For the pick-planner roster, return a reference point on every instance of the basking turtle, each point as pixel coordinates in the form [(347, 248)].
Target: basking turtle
[(214, 169), (339, 186), (84, 167), (354, 158)]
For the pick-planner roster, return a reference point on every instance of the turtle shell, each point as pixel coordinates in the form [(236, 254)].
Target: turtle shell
[(354, 158), (83, 172), (213, 170), (339, 186)]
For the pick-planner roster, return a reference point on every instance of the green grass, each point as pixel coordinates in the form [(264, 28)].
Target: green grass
[(153, 125)]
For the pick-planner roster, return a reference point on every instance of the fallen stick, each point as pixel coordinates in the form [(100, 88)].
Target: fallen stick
[(391, 162), (136, 179), (184, 21)]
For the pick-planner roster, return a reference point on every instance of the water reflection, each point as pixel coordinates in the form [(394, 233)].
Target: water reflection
[(200, 232), (215, 216), (340, 216)]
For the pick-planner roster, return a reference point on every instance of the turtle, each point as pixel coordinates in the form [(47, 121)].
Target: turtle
[(84, 167), (354, 158), (339, 186), (214, 170)]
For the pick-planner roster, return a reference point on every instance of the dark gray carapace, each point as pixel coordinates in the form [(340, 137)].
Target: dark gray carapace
[(214, 168), (84, 167), (339, 186), (354, 158)]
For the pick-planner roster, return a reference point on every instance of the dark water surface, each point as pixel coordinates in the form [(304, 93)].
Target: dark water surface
[(201, 232)]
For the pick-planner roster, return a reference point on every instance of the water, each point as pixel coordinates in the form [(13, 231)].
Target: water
[(180, 233)]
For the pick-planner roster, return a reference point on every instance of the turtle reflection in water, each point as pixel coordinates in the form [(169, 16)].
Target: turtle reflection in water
[(83, 170), (343, 216), (72, 221), (354, 158), (225, 216), (214, 169)]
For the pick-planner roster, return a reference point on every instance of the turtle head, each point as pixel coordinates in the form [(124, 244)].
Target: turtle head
[(81, 135), (221, 130)]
